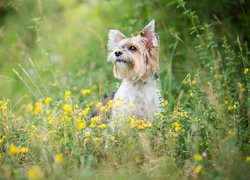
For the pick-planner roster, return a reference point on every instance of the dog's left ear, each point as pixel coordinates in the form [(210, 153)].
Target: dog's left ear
[(150, 33)]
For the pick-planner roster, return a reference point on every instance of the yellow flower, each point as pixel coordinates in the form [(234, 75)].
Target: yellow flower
[(165, 103), (4, 106), (23, 150), (198, 157), (1, 141), (193, 82), (176, 126), (38, 108), (139, 123), (35, 173), (67, 94), (85, 111), (131, 105), (246, 70), (92, 125), (248, 159), (13, 149), (58, 158), (48, 100), (111, 138), (197, 169), (67, 108), (81, 125), (86, 91), (109, 105), (118, 99), (87, 134), (102, 126), (34, 128)]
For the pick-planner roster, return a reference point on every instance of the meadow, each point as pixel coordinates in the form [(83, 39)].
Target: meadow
[(54, 72)]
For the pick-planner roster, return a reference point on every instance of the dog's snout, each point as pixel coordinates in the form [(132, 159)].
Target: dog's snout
[(118, 53)]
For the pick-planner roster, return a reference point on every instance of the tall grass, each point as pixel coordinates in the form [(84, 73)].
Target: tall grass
[(55, 72)]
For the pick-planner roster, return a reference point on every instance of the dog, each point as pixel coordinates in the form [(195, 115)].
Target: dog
[(135, 62)]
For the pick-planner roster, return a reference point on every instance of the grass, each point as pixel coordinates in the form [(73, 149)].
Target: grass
[(54, 72)]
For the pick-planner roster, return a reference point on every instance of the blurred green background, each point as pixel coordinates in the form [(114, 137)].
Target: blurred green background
[(66, 40)]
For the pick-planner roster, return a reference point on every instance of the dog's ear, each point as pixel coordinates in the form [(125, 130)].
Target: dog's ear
[(150, 33), (115, 37)]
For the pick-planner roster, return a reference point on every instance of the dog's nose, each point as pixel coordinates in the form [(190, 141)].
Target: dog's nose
[(118, 53)]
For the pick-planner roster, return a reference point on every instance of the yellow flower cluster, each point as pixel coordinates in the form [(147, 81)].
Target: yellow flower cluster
[(139, 123), (245, 71), (86, 91), (176, 126), (67, 108), (58, 158), (67, 94), (48, 100), (94, 121), (14, 150), (3, 106), (198, 157), (197, 169), (35, 173), (38, 108), (81, 124)]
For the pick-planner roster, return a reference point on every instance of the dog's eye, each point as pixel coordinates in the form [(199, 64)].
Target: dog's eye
[(132, 48)]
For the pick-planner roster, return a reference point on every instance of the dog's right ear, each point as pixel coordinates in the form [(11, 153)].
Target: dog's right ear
[(115, 37)]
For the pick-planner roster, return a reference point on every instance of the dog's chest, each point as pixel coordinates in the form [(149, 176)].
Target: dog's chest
[(139, 100)]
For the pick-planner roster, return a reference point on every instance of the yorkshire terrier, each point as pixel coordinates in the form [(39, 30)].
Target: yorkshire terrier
[(135, 62)]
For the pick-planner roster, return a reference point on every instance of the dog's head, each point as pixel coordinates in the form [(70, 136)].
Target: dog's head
[(134, 58)]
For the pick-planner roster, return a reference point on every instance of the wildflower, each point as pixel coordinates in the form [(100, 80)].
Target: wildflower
[(23, 150), (131, 105), (86, 91), (198, 157), (67, 108), (1, 141), (87, 134), (193, 82), (49, 120), (81, 125), (111, 138), (92, 125), (117, 106), (165, 103), (197, 169), (232, 107), (248, 159), (176, 126), (118, 99), (85, 111), (102, 126), (35, 173), (67, 94), (13, 149), (58, 158), (226, 102), (38, 108), (95, 119), (48, 100), (98, 105), (109, 104), (4, 105), (246, 70), (139, 123), (34, 128)]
